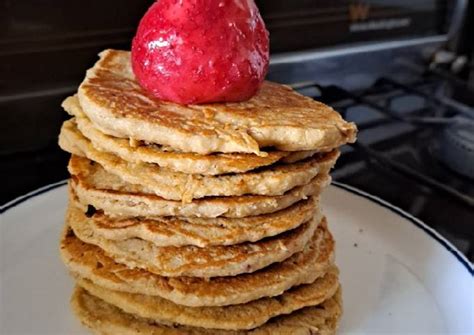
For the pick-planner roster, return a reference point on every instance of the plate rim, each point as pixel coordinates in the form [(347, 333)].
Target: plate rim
[(460, 257), (22, 198)]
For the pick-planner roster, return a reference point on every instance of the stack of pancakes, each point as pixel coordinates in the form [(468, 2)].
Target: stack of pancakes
[(199, 219)]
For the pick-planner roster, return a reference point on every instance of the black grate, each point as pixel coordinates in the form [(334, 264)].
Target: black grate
[(396, 155)]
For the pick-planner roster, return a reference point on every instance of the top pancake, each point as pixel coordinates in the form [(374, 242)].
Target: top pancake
[(186, 162), (275, 117)]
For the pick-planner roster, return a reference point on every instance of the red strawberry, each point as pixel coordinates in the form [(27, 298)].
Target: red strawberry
[(198, 51)]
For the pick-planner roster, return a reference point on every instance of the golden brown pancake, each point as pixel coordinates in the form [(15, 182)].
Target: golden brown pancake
[(105, 319), (234, 317), (273, 180), (275, 117), (91, 262), (185, 162), (203, 232), (94, 186), (191, 260)]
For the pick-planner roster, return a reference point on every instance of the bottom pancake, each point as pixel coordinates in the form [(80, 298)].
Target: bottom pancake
[(103, 318), (234, 317)]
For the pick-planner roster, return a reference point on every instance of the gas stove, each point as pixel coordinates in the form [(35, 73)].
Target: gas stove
[(400, 153)]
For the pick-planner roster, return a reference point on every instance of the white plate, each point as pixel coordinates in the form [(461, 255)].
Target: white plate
[(398, 275)]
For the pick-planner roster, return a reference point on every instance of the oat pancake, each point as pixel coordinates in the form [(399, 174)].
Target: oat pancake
[(203, 232), (191, 260), (191, 163), (274, 180), (95, 186), (91, 262), (276, 116), (234, 317), (103, 318)]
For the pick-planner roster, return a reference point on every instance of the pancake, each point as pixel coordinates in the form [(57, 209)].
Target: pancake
[(191, 260), (275, 117), (274, 180), (105, 319), (234, 317), (91, 262), (203, 232), (184, 162), (95, 186)]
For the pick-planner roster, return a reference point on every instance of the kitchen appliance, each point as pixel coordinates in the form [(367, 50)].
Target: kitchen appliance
[(402, 70)]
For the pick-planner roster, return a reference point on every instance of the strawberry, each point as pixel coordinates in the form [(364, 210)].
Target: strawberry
[(201, 51)]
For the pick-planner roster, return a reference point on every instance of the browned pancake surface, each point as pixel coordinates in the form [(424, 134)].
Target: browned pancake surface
[(105, 319), (191, 260), (91, 262), (203, 232), (186, 162), (95, 186), (276, 116)]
